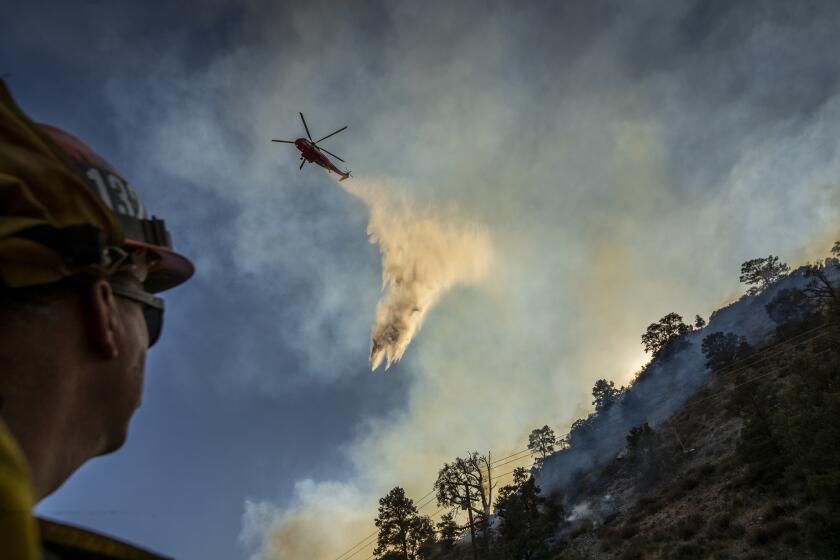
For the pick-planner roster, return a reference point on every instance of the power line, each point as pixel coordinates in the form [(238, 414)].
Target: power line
[(360, 545), (512, 461), (432, 515), (528, 449), (367, 540)]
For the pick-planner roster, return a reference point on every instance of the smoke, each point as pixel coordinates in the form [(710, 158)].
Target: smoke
[(322, 519), (669, 381), (424, 255), (595, 511)]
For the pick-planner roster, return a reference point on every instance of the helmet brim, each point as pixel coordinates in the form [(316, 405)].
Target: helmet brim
[(170, 270)]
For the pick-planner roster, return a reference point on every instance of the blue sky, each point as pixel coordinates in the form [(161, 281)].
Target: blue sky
[(621, 158)]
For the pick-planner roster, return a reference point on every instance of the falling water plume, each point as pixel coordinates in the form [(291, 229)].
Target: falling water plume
[(425, 253)]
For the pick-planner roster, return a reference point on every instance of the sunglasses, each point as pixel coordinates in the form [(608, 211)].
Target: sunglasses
[(152, 309)]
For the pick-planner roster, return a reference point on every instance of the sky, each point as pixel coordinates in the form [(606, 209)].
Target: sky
[(545, 179)]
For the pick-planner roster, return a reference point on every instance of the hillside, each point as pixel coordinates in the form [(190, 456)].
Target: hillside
[(731, 474), (725, 445)]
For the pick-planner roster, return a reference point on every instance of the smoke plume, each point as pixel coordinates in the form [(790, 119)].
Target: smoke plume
[(424, 255)]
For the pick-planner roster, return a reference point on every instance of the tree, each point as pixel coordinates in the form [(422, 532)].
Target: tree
[(422, 537), (721, 349), (760, 273), (699, 322), (580, 431), (807, 421), (605, 394), (820, 289), (463, 484), (660, 335), (526, 520), (448, 531), (638, 435), (542, 441), (791, 309), (643, 450), (402, 532)]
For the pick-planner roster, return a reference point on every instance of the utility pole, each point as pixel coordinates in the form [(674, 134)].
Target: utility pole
[(487, 528), (472, 523), (489, 480)]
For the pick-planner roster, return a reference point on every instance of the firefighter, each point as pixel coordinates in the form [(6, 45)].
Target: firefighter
[(81, 260)]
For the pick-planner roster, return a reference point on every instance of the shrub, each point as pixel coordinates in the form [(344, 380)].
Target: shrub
[(706, 470), (822, 531), (689, 526), (688, 551), (721, 349), (690, 482), (584, 527), (628, 531), (636, 551), (776, 511), (764, 535)]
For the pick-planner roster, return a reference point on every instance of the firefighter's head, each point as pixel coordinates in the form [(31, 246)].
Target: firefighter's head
[(80, 262)]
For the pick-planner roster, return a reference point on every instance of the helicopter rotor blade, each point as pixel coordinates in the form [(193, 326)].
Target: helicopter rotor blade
[(332, 133), (284, 141), (306, 127), (301, 165), (332, 154)]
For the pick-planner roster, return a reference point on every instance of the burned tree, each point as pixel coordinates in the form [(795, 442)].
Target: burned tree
[(820, 289), (465, 484)]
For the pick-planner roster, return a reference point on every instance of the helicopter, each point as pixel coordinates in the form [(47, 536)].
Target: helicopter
[(311, 152)]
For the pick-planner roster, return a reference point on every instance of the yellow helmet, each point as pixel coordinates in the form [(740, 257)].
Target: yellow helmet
[(63, 207)]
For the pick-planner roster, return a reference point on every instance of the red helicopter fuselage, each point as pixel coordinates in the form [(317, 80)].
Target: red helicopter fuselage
[(312, 154)]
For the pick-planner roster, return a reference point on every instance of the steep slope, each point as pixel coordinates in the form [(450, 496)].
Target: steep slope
[(723, 476)]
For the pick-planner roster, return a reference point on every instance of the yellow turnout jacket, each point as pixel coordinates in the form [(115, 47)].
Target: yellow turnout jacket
[(23, 537)]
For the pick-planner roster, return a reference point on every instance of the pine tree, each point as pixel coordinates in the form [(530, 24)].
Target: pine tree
[(448, 531), (760, 273), (402, 532), (605, 394), (542, 441), (660, 335), (526, 519)]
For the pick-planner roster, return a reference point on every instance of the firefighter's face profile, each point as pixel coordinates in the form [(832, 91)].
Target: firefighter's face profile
[(121, 382), (130, 365)]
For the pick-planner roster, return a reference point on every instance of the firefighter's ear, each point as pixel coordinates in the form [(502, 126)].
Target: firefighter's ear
[(103, 319)]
